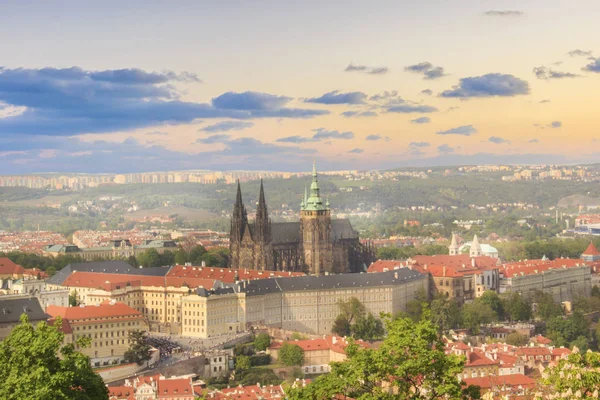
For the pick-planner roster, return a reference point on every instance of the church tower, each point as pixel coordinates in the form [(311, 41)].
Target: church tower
[(475, 250), (239, 225), (263, 254), (315, 230), (453, 249)]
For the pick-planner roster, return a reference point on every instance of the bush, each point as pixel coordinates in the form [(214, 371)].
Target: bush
[(260, 359), (242, 363), (265, 376), (262, 342), (291, 354)]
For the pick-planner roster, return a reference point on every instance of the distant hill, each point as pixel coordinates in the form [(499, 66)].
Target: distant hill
[(576, 200)]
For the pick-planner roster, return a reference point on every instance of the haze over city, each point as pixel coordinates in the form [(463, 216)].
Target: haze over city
[(273, 85)]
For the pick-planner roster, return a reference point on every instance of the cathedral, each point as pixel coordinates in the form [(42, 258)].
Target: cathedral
[(315, 245)]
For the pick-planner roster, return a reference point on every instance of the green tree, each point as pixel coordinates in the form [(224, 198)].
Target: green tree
[(414, 308), (150, 258), (73, 300), (517, 308), (51, 270), (139, 350), (445, 313), (476, 314), (262, 341), (579, 373), (595, 291), (341, 326), (517, 339), (563, 331), (242, 363), (412, 355), (492, 299), (180, 256), (35, 365), (291, 354), (368, 328), (546, 308)]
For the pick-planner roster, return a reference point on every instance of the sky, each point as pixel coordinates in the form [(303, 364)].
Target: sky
[(134, 86)]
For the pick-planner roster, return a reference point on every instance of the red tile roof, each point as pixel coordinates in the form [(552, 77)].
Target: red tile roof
[(65, 326), (384, 266), (175, 388), (225, 275), (103, 310), (529, 267), (477, 358), (111, 282), (515, 380), (253, 392), (7, 267), (330, 342), (591, 250), (121, 393)]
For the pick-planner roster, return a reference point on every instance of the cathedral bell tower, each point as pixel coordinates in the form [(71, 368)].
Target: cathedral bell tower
[(263, 254), (315, 230), (239, 224)]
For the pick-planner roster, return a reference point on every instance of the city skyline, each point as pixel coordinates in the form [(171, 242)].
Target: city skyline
[(139, 87)]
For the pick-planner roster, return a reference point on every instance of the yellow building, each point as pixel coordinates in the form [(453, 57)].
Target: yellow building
[(208, 313), (107, 325)]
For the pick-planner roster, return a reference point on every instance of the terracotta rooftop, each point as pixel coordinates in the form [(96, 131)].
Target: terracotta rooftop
[(591, 250), (529, 267), (7, 267), (330, 342), (384, 265), (459, 260), (225, 275), (109, 282), (515, 380), (121, 393), (174, 388), (103, 310)]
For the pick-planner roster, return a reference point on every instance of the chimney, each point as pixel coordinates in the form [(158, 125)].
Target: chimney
[(204, 263), (444, 270), (473, 262)]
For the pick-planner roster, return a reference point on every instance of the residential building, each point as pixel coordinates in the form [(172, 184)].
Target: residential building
[(107, 325), (11, 309), (117, 249), (563, 278), (318, 353)]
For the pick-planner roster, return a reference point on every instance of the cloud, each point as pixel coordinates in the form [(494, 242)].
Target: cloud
[(465, 130), (296, 139), (545, 101), (226, 126), (552, 125), (445, 149), (427, 92), (556, 124), (594, 66), (367, 70), (336, 97), (497, 140), (387, 95), (579, 53), (377, 137), (534, 141), (489, 85), (378, 71), (428, 70), (547, 73), (421, 120), (321, 134), (356, 151), (503, 13), (419, 144), (349, 114), (72, 101), (411, 108), (220, 138)]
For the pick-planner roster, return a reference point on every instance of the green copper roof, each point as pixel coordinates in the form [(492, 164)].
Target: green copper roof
[(314, 201)]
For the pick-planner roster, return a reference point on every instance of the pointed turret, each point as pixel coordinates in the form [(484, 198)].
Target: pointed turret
[(262, 223), (453, 249), (239, 219), (475, 250), (591, 253), (305, 201), (314, 202)]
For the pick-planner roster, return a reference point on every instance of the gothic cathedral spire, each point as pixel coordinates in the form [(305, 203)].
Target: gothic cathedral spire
[(262, 223)]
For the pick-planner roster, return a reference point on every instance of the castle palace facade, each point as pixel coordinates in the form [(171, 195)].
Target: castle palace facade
[(316, 244)]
